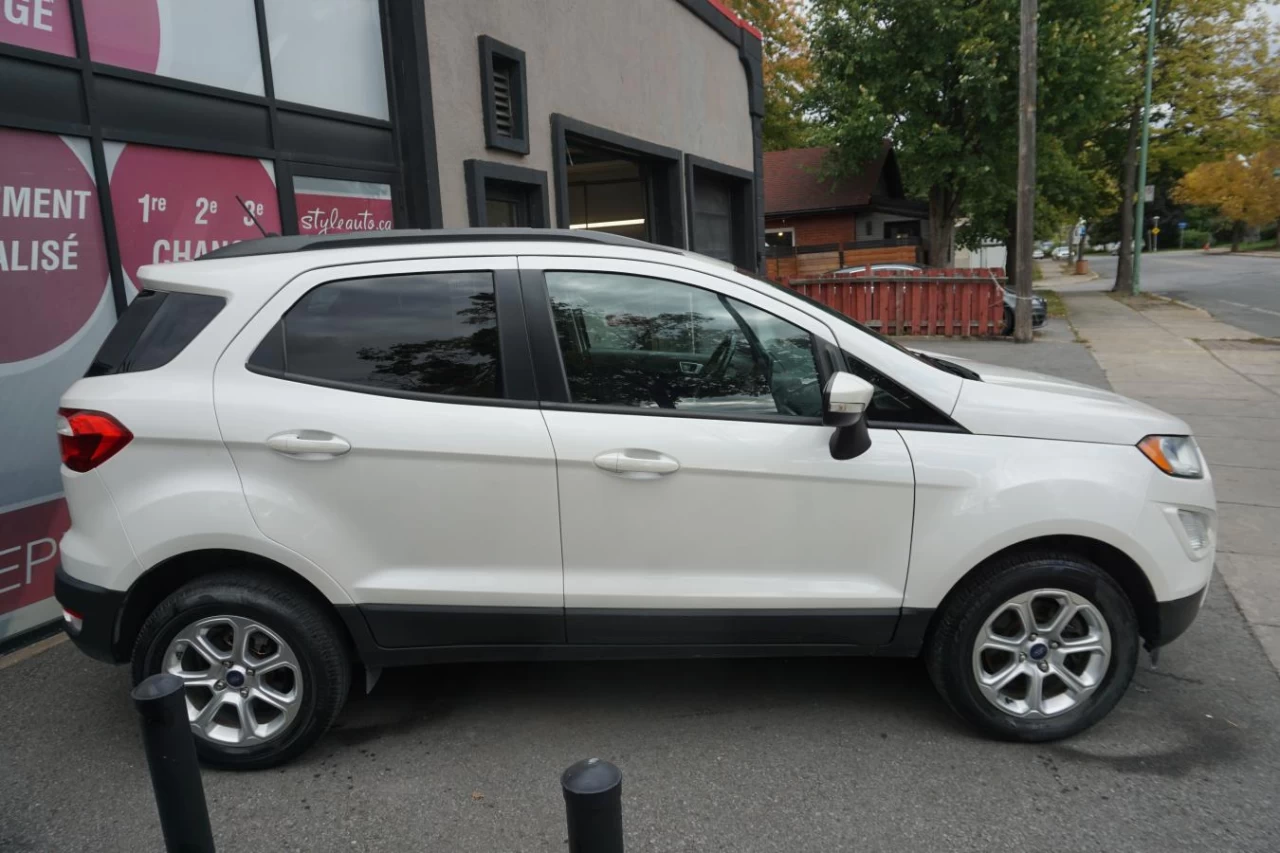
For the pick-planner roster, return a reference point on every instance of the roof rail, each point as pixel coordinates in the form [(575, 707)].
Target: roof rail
[(411, 236)]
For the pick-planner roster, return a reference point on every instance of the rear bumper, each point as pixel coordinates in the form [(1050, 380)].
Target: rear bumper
[(98, 609), (1175, 617)]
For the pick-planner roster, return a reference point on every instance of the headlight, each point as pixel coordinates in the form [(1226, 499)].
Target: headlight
[(1176, 455)]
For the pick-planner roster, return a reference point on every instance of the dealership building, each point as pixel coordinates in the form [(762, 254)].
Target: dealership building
[(152, 131)]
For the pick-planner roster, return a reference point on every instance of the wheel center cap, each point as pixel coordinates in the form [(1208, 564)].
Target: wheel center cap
[(235, 678), (1036, 652)]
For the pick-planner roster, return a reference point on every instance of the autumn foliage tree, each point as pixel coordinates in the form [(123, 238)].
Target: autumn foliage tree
[(1245, 190), (786, 68)]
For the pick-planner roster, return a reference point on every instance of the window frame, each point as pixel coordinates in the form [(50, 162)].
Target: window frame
[(519, 390), (660, 165), (518, 142), (741, 207), (789, 229), (548, 363), (533, 182)]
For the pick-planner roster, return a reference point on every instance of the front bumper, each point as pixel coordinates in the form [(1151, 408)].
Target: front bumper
[(1175, 617), (98, 610)]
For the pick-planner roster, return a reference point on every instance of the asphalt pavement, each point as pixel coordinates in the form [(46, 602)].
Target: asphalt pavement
[(742, 756), (1243, 290)]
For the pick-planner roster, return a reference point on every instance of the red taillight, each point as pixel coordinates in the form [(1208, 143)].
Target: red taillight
[(88, 439)]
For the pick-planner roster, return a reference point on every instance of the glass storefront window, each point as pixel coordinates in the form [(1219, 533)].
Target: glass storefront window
[(38, 24), (214, 42), (55, 309), (174, 205), (329, 206), (328, 53)]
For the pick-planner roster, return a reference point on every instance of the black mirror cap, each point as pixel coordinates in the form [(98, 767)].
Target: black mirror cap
[(848, 442)]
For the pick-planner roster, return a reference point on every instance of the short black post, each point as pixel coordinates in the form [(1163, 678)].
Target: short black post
[(171, 757), (593, 804)]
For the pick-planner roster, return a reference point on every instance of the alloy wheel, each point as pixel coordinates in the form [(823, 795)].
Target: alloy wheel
[(1041, 653), (243, 682)]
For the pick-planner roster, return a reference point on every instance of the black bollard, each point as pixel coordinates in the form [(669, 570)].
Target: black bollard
[(593, 804), (171, 757)]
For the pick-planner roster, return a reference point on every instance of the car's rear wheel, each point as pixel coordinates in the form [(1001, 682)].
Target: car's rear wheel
[(1006, 328), (265, 666), (1035, 647)]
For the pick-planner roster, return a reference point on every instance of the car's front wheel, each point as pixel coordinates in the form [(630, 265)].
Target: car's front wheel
[(265, 666), (1035, 647)]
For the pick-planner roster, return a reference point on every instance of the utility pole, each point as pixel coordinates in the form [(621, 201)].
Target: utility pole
[(1142, 161), (1025, 230)]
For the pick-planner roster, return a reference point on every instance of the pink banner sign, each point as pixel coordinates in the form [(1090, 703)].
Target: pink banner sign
[(38, 24), (323, 213), (174, 205), (53, 264), (29, 552)]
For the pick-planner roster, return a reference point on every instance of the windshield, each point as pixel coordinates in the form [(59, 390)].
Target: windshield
[(826, 309)]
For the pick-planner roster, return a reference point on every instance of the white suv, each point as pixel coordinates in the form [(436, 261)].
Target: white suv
[(300, 460)]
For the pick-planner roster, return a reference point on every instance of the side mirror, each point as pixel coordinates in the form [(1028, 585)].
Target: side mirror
[(845, 400)]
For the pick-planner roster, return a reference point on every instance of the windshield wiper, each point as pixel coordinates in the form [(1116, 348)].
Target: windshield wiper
[(949, 366)]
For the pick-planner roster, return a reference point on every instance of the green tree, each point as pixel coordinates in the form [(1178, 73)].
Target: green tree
[(939, 78), (786, 68), (1198, 81)]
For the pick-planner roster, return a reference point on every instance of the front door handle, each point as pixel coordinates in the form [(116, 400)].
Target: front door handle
[(639, 464), (309, 443)]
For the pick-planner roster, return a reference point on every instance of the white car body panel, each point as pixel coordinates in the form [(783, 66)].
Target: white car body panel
[(447, 503), (758, 516), (409, 515), (977, 495), (1020, 403)]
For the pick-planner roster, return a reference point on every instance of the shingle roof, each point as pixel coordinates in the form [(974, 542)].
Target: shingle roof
[(792, 183)]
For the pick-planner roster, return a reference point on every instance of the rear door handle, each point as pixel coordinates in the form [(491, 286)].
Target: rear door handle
[(641, 464), (308, 443)]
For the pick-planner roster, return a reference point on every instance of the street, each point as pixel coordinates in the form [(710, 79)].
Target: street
[(1243, 290), (748, 755)]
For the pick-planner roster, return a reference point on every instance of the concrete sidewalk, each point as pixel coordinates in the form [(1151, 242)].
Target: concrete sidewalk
[(1225, 383)]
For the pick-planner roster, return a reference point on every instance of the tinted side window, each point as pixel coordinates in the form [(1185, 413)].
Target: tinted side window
[(435, 333), (153, 329), (647, 343)]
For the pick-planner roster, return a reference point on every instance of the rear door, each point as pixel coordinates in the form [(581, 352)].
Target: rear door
[(384, 424)]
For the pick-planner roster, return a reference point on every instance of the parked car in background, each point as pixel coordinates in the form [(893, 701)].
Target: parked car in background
[(1037, 253), (863, 270), (1062, 253), (1039, 311), (302, 459)]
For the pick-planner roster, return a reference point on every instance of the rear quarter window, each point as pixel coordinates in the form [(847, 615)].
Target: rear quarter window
[(155, 327)]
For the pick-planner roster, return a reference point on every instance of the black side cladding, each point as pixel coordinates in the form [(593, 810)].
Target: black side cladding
[(153, 330)]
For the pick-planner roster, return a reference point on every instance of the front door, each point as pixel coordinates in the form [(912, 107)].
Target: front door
[(384, 427), (699, 502)]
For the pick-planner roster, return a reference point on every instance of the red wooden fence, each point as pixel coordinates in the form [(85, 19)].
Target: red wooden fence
[(950, 302)]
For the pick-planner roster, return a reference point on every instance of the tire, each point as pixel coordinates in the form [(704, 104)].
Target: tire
[(953, 661), (1006, 328), (312, 646)]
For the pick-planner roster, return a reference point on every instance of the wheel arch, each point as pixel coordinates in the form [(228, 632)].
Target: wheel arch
[(172, 573), (1120, 566)]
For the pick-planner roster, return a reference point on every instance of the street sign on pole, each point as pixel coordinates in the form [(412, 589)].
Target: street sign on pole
[(1182, 226), (1149, 193)]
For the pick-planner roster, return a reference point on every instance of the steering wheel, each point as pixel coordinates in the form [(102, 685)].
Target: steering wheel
[(721, 357)]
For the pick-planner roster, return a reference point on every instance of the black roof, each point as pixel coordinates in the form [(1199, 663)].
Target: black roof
[(408, 236)]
